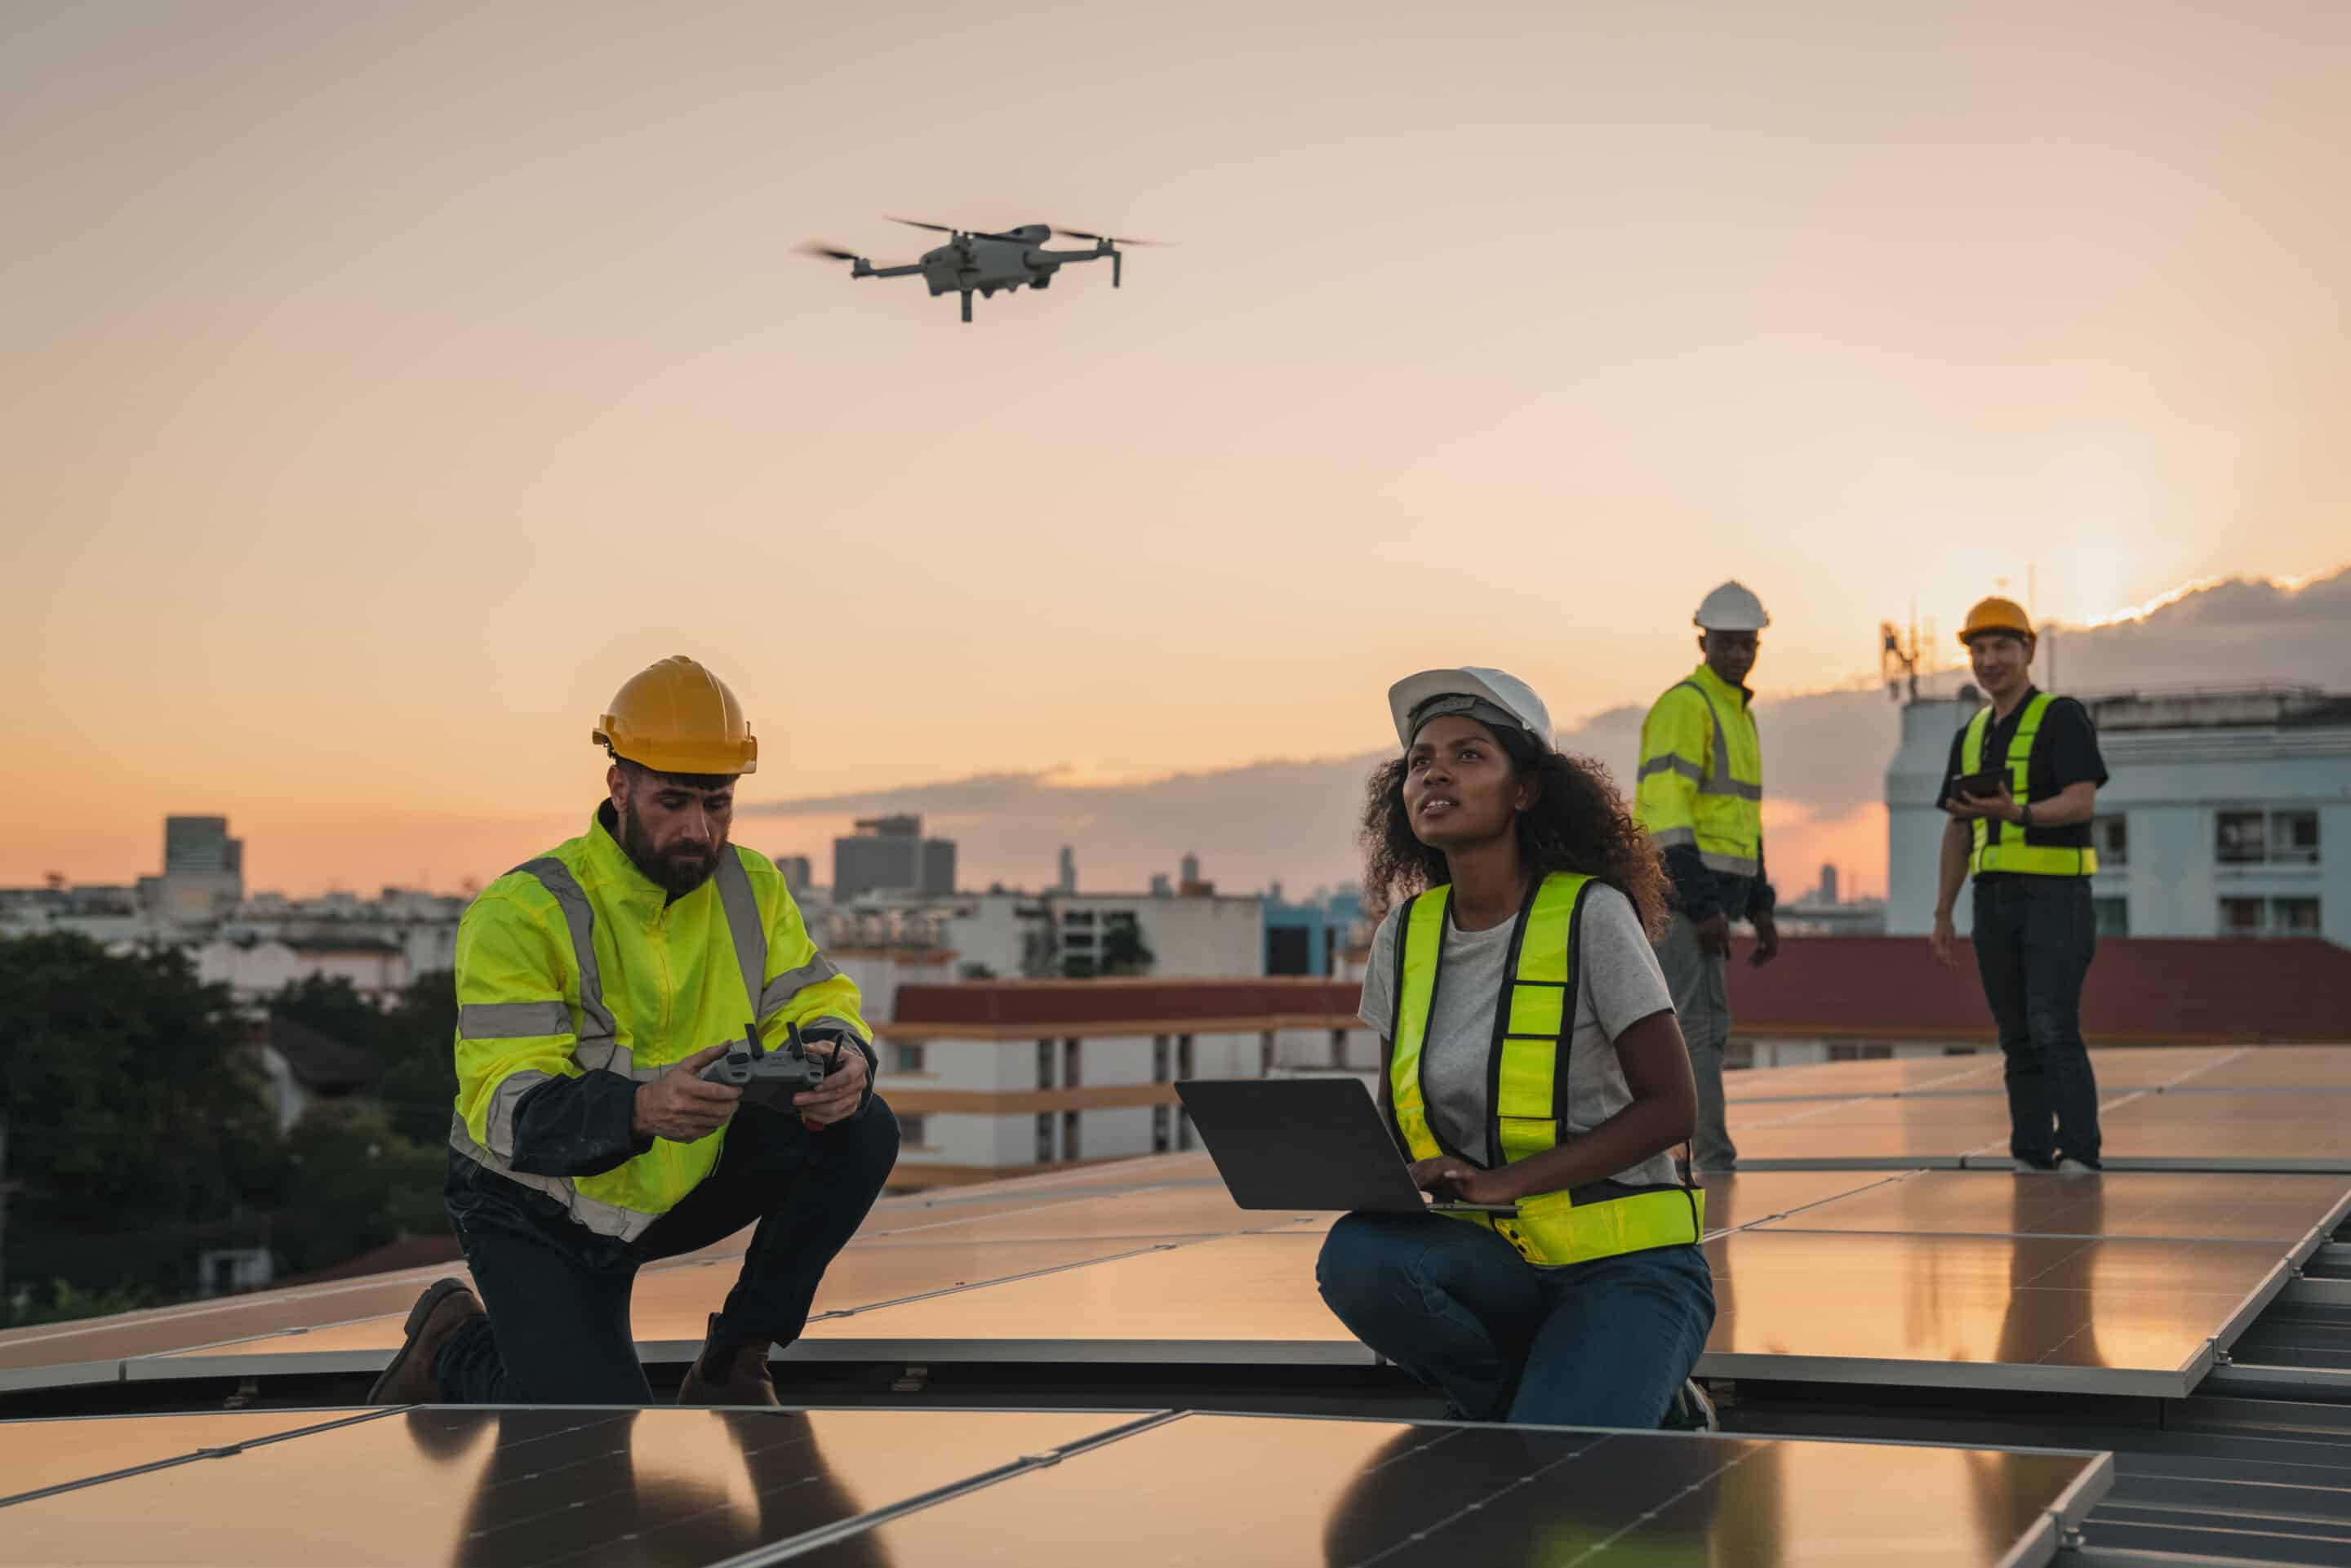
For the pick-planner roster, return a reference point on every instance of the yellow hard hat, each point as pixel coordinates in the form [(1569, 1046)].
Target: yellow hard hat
[(677, 718), (1996, 614)]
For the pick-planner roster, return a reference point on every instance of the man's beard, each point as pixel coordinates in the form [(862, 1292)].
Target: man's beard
[(681, 872)]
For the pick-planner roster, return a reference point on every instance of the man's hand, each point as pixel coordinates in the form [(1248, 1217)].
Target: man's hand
[(1945, 935), (2001, 807), (837, 1098), (1714, 934), (1767, 940), (679, 1106)]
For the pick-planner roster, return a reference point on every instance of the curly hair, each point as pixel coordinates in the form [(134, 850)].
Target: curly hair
[(1577, 824)]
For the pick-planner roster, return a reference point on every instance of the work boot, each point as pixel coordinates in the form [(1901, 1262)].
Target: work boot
[(446, 1306), (728, 1373)]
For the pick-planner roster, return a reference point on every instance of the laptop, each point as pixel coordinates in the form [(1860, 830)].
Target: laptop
[(1306, 1143)]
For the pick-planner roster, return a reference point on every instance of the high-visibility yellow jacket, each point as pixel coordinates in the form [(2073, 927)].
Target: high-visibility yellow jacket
[(577, 980), (1700, 791)]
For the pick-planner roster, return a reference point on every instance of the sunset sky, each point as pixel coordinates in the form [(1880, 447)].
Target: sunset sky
[(383, 386)]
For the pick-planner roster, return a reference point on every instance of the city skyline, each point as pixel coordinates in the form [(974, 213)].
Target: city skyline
[(387, 388)]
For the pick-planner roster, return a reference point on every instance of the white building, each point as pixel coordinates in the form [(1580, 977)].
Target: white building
[(1193, 936), (2228, 813), (993, 1079)]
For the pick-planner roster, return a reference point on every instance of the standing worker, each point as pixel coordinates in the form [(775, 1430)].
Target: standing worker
[(2025, 835), (594, 985), (1701, 799)]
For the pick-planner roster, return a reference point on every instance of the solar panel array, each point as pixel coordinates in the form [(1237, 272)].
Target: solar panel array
[(522, 1488), (2127, 1285)]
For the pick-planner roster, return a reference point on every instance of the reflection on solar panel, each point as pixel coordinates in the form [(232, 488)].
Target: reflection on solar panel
[(542, 1486), (1358, 1492)]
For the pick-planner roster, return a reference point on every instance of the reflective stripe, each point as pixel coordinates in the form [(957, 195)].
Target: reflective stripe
[(1526, 1074), (1731, 865), (742, 908), (791, 982), (603, 1218), (505, 1101), (1671, 838), (1720, 782), (1671, 762), (843, 1025), (512, 1020), (596, 1025)]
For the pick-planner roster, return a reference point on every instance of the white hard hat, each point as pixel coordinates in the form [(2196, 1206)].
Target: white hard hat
[(1733, 607), (1505, 691)]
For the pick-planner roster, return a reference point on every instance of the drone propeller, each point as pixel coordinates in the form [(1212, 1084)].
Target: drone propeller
[(938, 228), (1098, 239), (827, 252)]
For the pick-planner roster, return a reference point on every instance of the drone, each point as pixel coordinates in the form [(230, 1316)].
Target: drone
[(975, 262)]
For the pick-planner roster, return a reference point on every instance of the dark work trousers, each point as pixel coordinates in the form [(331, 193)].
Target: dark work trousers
[(558, 1331), (2034, 938)]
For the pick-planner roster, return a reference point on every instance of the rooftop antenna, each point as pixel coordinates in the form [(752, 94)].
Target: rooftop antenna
[(1898, 664)]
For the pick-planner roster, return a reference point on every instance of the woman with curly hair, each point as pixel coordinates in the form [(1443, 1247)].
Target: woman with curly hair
[(1533, 1067)]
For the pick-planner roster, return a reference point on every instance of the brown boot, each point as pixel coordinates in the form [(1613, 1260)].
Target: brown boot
[(446, 1306), (728, 1374)]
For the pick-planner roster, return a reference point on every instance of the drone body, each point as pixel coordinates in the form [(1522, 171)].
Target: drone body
[(973, 262)]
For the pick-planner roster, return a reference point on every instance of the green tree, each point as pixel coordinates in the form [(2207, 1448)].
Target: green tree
[(420, 1063), (356, 1184), (138, 1128), (1123, 948)]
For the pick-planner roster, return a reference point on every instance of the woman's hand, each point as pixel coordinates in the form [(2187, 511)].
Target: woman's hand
[(1447, 1177)]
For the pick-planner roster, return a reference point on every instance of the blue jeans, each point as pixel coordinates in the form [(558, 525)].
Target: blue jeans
[(1603, 1343), (2034, 937)]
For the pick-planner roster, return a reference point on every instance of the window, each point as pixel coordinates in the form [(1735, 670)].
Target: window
[(910, 1132), (1159, 1058), (1162, 1129), (1184, 1059), (2241, 837), (1069, 1135), (1077, 917), (1044, 1137), (1044, 1064), (1070, 1078), (2110, 836), (2114, 916), (1182, 1130), (2294, 837), (907, 1057), (2266, 837), (2270, 917)]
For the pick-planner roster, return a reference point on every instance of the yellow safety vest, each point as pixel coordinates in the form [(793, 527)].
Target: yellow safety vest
[(577, 962), (2008, 851), (1527, 1079), (1701, 775)]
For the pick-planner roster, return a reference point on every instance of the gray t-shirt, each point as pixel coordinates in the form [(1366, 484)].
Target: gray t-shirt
[(1618, 983)]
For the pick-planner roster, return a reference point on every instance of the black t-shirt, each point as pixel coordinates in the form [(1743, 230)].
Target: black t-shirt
[(2064, 752)]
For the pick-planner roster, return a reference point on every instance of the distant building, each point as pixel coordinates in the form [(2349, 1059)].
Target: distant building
[(1051, 935), (1069, 880), (203, 870), (889, 854), (2228, 814), (798, 872), (1828, 889), (992, 1078), (1159, 886), (1189, 870)]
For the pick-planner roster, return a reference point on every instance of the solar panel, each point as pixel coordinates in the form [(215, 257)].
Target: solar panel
[(2291, 1210), (1237, 1298), (1150, 1212), (35, 1456), (523, 1487), (1743, 1198), (2019, 1312), (1358, 1492)]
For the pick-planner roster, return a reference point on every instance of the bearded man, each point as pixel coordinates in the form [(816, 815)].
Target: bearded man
[(595, 984)]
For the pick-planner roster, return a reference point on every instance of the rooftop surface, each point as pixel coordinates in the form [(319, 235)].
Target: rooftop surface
[(1923, 1362)]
